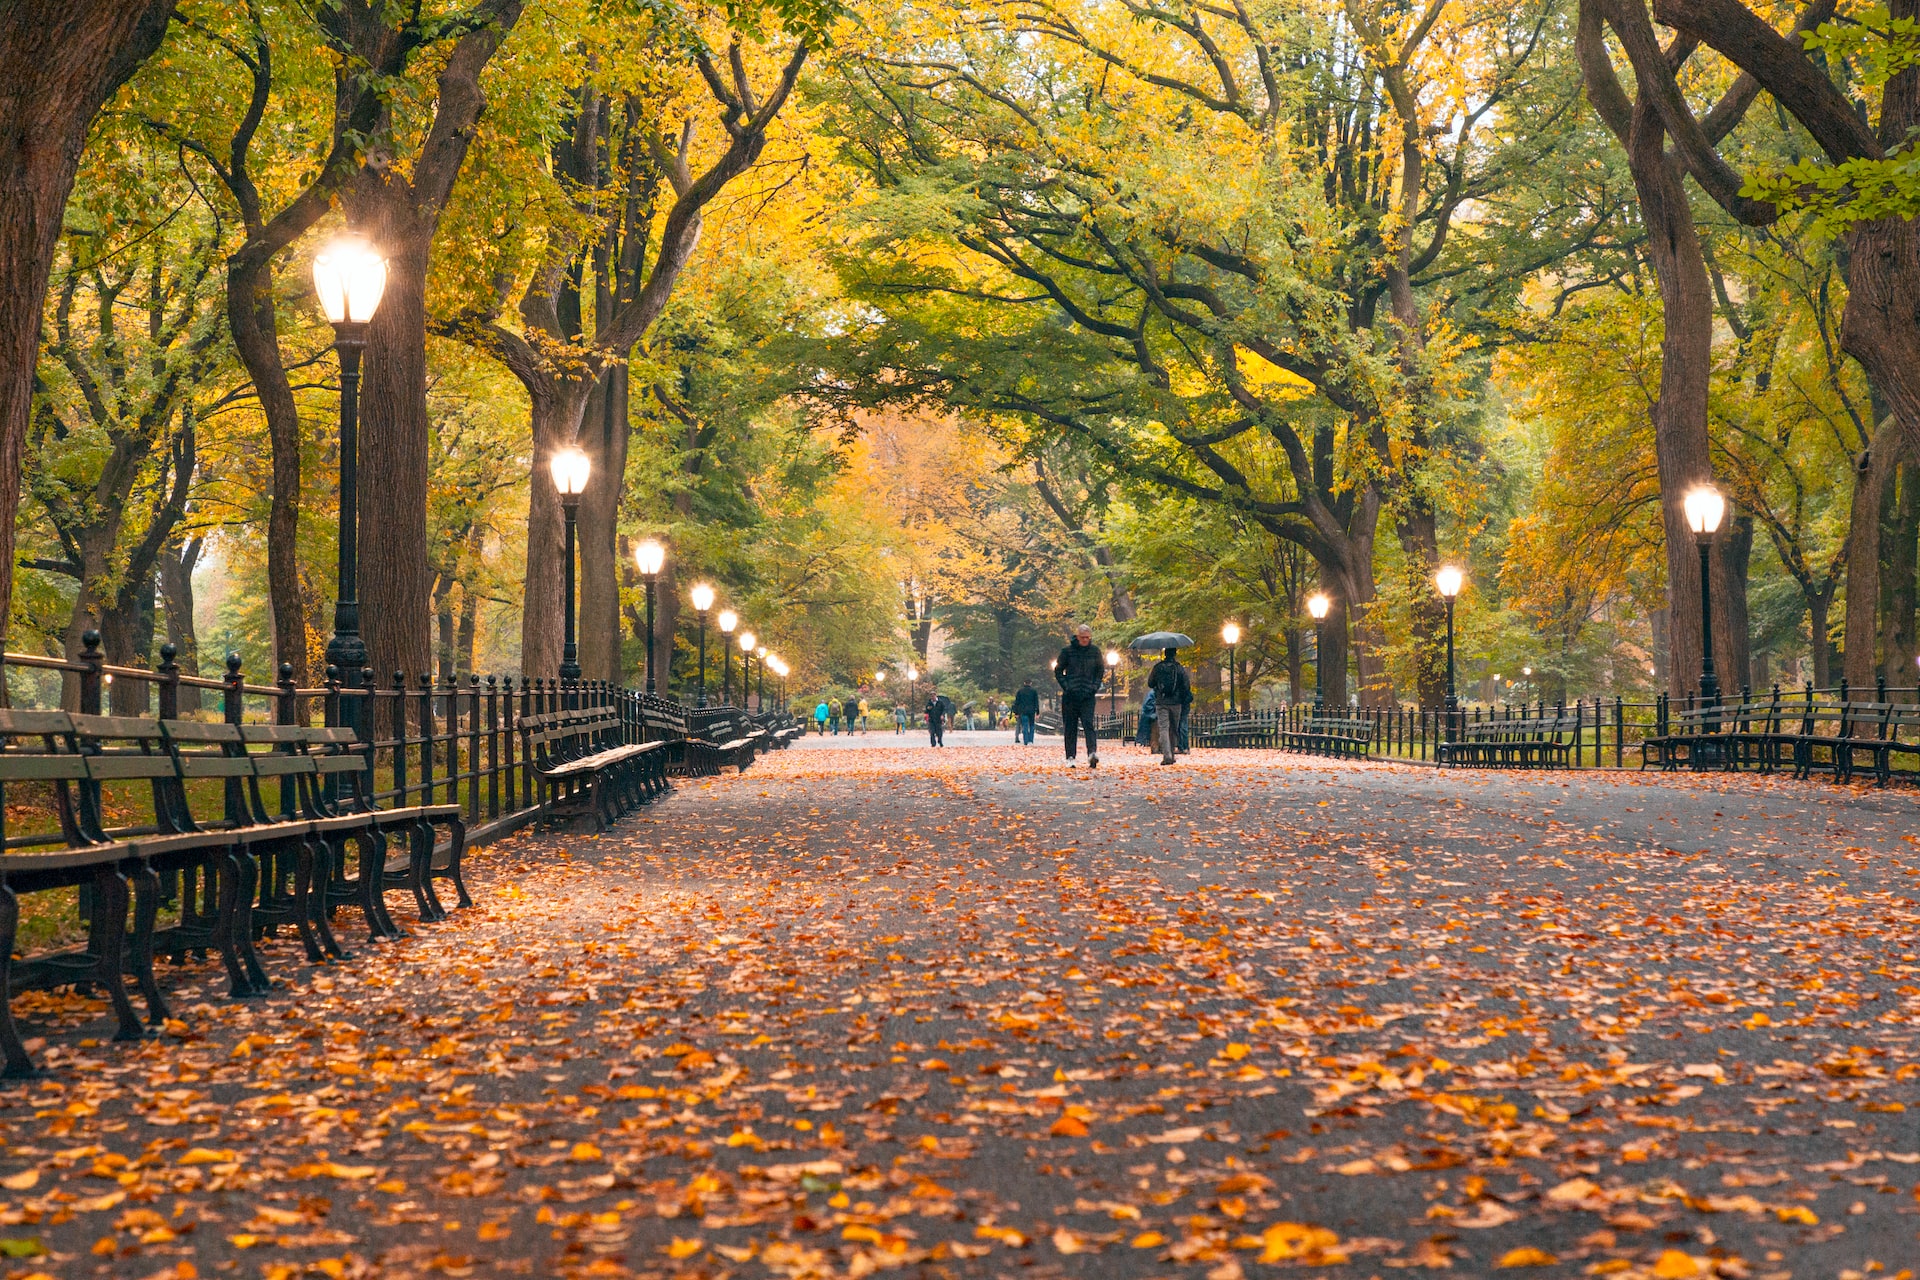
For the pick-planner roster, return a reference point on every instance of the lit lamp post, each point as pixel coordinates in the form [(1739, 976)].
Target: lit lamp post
[(1318, 605), (1231, 635), (702, 596), (747, 641), (650, 557), (570, 468), (349, 276), (728, 621), (1705, 508), (1113, 683), (1449, 581), (760, 680)]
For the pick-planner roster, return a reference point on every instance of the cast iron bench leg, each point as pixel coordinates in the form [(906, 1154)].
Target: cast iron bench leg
[(110, 907), (19, 1063), (146, 909), (456, 852)]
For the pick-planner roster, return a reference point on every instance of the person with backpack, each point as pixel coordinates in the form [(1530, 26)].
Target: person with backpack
[(1172, 691), (1080, 669), (1026, 709)]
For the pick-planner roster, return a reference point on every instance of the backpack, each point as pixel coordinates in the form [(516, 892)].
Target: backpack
[(1165, 680)]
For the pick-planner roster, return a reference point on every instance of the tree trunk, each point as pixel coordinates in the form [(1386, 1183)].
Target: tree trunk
[(1900, 555), (394, 438), (176, 590), (1873, 471), (556, 413), (1819, 603), (1293, 664), (443, 623), (60, 60), (605, 431), (1420, 540), (1731, 624), (469, 629), (1330, 655), (126, 640)]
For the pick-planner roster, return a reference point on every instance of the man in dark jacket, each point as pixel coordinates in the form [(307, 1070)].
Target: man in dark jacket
[(1026, 706), (1080, 669), (1172, 694), (937, 721)]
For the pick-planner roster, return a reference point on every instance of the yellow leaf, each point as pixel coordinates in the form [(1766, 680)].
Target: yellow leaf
[(860, 1234), (206, 1155), (1756, 1021), (1286, 1241), (491, 1231), (1235, 1052), (1797, 1213), (1005, 1235), (105, 1246), (1675, 1265), (685, 1248), (21, 1181), (243, 1240), (1526, 1256), (586, 1151), (1149, 1240), (1068, 1127)]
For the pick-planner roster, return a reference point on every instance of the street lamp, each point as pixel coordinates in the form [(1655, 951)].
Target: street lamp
[(1318, 605), (1231, 634), (1706, 507), (728, 621), (747, 641), (1113, 662), (760, 680), (1449, 581), (349, 276), (570, 468), (650, 557), (702, 595)]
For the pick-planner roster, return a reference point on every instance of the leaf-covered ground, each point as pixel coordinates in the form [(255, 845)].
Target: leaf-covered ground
[(874, 1008)]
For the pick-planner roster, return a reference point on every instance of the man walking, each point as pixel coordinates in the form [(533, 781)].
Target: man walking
[(936, 721), (1173, 694), (1080, 669), (820, 718), (1026, 706)]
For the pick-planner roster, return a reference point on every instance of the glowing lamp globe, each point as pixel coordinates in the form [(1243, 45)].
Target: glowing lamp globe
[(702, 596), (1705, 507), (570, 468), (650, 557), (1449, 581), (349, 276)]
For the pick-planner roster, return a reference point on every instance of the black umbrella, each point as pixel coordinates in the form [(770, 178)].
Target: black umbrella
[(1161, 640)]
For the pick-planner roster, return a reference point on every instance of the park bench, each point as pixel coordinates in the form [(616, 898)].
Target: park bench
[(1330, 736), (1241, 733), (589, 768), (1515, 742), (1748, 733), (1881, 731)]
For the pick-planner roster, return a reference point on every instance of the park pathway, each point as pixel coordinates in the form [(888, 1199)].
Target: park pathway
[(875, 1008)]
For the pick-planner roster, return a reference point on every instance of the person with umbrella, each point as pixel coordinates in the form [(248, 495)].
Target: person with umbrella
[(1079, 669), (1172, 691)]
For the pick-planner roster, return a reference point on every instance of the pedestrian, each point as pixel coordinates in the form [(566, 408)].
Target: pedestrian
[(1173, 694), (1080, 669), (860, 714), (820, 714), (1026, 706), (937, 721), (1143, 733), (899, 717)]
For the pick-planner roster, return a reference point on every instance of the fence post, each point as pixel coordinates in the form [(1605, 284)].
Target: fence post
[(233, 706), (473, 747), (426, 739), (169, 682), (90, 663), (493, 747), (400, 739), (1619, 732), (285, 711)]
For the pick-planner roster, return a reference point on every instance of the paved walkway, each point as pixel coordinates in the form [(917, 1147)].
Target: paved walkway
[(971, 1014)]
